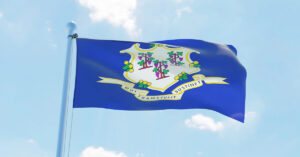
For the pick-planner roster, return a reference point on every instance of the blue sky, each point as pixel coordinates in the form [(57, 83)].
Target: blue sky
[(32, 56)]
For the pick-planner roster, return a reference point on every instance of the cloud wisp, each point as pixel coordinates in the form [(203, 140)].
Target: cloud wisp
[(186, 9), (202, 122), (1, 15), (96, 152), (119, 13)]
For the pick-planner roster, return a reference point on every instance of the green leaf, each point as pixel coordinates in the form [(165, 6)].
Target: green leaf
[(141, 62), (165, 71), (171, 53), (156, 61), (179, 53), (164, 62), (145, 86), (126, 67), (140, 85), (141, 53), (151, 58), (185, 77), (155, 69), (180, 78), (180, 63), (170, 59), (149, 53)]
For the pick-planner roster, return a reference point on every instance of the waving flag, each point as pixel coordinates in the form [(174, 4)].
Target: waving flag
[(171, 74)]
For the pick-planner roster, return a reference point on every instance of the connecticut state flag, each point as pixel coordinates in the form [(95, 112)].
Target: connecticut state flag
[(170, 74)]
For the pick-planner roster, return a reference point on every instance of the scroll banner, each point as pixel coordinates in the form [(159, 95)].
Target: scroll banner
[(176, 93)]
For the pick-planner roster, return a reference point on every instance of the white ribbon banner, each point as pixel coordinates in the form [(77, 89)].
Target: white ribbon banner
[(176, 93)]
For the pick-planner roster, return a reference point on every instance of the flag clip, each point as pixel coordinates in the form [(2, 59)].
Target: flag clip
[(73, 36)]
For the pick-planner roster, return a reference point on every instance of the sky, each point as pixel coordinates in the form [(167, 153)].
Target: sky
[(32, 58)]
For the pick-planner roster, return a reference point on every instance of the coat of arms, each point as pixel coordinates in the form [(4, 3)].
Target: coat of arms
[(159, 68)]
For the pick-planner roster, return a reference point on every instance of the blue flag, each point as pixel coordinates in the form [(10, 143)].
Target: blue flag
[(170, 74)]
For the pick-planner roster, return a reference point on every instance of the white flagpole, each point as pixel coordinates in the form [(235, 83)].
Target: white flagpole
[(61, 134)]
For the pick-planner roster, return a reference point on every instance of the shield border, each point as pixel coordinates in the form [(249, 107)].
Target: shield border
[(137, 47)]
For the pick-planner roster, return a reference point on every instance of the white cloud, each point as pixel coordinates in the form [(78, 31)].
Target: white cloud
[(178, 1), (202, 122), (186, 9), (100, 152), (1, 15), (120, 13)]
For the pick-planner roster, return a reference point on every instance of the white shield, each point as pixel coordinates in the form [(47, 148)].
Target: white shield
[(169, 62)]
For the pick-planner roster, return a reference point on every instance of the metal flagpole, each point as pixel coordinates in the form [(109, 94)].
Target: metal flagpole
[(61, 134)]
